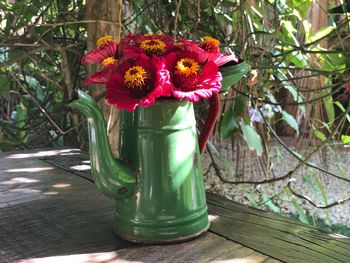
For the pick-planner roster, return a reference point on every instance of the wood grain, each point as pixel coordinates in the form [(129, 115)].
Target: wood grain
[(274, 235), (51, 215)]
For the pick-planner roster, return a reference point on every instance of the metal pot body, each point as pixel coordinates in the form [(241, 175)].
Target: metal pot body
[(160, 144)]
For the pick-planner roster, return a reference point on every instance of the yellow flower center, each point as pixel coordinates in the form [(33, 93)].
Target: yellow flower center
[(210, 43), (135, 77), (186, 66), (102, 41), (153, 46), (108, 62)]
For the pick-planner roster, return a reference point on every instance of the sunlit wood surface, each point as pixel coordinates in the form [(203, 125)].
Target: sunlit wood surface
[(51, 212)]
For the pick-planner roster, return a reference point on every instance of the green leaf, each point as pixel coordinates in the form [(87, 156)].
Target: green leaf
[(289, 31), (34, 84), (328, 102), (227, 3), (232, 73), (267, 201), (228, 124), (302, 6), (345, 139), (285, 82), (252, 138), (21, 117), (320, 34), (319, 135), (333, 62), (301, 213), (291, 121), (239, 106), (298, 59), (252, 200), (341, 107)]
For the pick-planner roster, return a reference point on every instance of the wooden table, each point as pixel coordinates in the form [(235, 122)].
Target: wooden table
[(51, 212)]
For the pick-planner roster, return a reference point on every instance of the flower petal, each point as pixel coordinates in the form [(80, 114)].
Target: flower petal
[(123, 97), (97, 55), (221, 59), (100, 77), (209, 82)]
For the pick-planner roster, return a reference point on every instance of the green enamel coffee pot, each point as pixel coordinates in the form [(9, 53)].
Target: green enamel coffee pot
[(157, 182)]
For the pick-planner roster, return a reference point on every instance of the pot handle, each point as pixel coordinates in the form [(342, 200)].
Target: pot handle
[(213, 114)]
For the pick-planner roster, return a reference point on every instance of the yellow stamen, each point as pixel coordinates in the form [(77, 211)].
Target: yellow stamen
[(210, 41), (210, 44), (102, 41), (135, 77), (153, 46), (108, 62), (186, 66)]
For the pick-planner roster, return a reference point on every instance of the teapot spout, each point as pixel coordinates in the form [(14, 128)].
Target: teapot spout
[(111, 176)]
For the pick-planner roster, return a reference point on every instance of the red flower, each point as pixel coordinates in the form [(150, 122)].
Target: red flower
[(106, 54), (102, 76), (106, 47), (193, 79), (138, 82), (210, 44), (154, 44), (209, 49)]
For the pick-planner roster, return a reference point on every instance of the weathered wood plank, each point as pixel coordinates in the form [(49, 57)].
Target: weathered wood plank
[(49, 215), (274, 235), (282, 238)]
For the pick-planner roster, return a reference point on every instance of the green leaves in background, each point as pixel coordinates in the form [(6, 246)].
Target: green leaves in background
[(334, 62), (4, 86), (232, 73), (268, 202), (345, 139), (302, 216), (319, 135), (328, 103), (320, 34), (229, 122), (289, 31), (21, 118), (291, 121), (252, 138), (280, 75), (341, 107)]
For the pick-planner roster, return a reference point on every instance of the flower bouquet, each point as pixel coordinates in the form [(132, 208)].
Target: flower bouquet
[(141, 69), (157, 182)]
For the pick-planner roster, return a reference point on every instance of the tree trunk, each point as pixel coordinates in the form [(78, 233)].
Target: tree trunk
[(107, 14)]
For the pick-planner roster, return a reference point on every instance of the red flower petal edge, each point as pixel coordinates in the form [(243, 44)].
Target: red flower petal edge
[(97, 55), (157, 84), (209, 82)]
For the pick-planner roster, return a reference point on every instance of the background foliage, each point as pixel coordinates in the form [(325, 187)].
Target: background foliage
[(296, 87)]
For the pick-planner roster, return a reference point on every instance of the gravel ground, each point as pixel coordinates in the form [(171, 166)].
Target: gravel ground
[(240, 164)]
